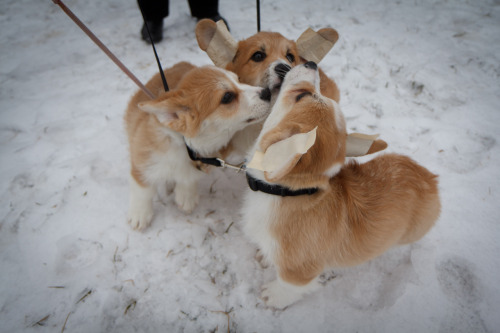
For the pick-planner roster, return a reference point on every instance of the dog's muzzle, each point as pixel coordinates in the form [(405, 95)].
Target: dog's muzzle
[(265, 94)]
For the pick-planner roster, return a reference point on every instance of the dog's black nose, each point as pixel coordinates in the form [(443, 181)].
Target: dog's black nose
[(311, 65), (265, 94), (282, 69)]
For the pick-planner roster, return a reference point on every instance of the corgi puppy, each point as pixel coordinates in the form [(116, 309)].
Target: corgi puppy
[(204, 109), (307, 210)]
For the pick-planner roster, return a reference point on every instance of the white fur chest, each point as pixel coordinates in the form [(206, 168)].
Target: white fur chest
[(172, 166), (258, 214)]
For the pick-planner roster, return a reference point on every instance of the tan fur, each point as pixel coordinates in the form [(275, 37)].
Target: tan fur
[(361, 213), (357, 214)]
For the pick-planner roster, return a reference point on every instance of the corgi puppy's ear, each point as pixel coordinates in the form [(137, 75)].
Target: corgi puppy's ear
[(313, 46), (171, 114), (377, 145), (216, 41), (358, 144), (281, 157)]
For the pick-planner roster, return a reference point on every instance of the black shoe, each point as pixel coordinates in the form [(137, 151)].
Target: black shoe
[(216, 18), (155, 29)]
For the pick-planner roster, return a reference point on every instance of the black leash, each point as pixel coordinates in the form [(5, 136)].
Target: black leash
[(258, 15), (163, 79), (214, 161)]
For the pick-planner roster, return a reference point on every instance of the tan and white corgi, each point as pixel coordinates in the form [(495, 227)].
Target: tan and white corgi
[(202, 111), (307, 210)]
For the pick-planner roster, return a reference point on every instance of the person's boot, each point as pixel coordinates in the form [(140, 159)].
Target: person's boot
[(155, 29)]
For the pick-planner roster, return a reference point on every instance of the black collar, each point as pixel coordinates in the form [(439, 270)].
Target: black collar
[(205, 160), (255, 184), (258, 185)]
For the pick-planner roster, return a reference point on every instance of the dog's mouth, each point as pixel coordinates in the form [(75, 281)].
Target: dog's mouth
[(260, 117), (254, 119)]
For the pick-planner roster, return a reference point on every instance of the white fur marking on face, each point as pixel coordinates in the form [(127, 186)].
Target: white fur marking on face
[(272, 79), (299, 74)]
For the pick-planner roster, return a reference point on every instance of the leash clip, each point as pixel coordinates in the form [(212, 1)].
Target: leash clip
[(224, 164)]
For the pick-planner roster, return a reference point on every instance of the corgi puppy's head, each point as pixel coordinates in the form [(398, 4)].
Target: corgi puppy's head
[(307, 128), (208, 106), (254, 59), (257, 54), (301, 109)]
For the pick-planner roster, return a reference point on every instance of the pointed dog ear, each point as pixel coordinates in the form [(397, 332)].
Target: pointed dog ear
[(169, 113), (216, 41), (377, 145), (161, 109), (281, 157), (313, 46), (358, 144)]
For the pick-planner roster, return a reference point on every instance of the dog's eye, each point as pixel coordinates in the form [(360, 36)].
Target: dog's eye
[(228, 97), (290, 57), (258, 56), (301, 95)]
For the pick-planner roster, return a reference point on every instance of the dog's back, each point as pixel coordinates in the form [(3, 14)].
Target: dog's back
[(389, 197)]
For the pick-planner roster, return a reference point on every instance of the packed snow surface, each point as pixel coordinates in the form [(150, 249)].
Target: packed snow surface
[(424, 74)]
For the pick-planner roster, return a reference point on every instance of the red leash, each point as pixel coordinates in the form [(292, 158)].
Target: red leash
[(103, 47)]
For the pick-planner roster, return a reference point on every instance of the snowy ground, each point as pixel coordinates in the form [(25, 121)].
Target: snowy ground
[(424, 74)]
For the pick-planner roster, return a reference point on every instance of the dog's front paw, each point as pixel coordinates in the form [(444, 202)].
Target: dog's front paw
[(140, 212), (185, 198), (276, 295), (261, 259), (140, 218)]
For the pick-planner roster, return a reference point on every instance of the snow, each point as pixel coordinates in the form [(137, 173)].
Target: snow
[(425, 74)]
